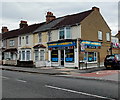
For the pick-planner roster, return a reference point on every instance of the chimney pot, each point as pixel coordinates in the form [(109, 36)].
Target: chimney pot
[(23, 24), (49, 17), (4, 29)]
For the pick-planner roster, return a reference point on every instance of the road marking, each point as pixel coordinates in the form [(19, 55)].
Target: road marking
[(21, 80), (5, 77), (73, 91)]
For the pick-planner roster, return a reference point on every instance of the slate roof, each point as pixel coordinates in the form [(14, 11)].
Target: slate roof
[(50, 25), (17, 32), (73, 19), (68, 20)]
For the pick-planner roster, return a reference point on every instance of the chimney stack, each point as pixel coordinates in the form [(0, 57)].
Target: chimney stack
[(95, 9), (23, 24), (49, 17), (4, 29)]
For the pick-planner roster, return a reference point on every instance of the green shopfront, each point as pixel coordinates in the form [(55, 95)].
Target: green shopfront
[(63, 53)]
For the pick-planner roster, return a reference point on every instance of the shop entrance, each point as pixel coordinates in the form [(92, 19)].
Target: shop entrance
[(62, 57)]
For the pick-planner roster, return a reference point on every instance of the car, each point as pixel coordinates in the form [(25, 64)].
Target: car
[(112, 61)]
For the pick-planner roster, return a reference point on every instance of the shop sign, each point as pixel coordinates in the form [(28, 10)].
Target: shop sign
[(82, 47), (91, 43), (61, 44), (115, 45)]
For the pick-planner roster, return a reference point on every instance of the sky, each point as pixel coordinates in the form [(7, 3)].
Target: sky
[(34, 12)]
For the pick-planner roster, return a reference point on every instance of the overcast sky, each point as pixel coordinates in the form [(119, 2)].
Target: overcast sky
[(34, 12)]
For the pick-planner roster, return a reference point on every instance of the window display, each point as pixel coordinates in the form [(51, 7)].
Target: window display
[(69, 55), (54, 55)]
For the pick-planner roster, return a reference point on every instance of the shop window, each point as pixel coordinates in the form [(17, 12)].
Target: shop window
[(36, 55), (90, 56), (54, 55), (69, 55), (41, 55)]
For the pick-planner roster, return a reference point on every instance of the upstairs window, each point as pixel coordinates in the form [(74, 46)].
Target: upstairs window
[(99, 35), (40, 37), (108, 36), (65, 33), (61, 33), (68, 33), (49, 36), (27, 38), (12, 43), (19, 40)]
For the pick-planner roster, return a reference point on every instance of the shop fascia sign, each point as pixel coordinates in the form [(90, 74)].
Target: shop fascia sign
[(61, 44), (116, 45), (90, 44)]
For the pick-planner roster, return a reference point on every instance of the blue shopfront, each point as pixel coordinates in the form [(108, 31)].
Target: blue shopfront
[(63, 53), (90, 53)]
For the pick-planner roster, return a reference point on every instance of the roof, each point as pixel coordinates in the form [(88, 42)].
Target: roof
[(68, 20), (74, 19), (39, 46), (17, 32), (64, 21), (50, 25)]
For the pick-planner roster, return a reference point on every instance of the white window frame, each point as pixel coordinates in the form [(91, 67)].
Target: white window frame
[(11, 43), (35, 55), (43, 55), (65, 33), (100, 35), (25, 59), (108, 36)]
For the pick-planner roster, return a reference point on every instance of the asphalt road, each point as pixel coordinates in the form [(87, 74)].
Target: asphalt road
[(29, 85)]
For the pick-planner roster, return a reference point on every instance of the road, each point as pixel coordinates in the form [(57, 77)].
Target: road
[(29, 85)]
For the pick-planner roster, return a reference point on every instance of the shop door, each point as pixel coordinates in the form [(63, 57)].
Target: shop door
[(62, 57)]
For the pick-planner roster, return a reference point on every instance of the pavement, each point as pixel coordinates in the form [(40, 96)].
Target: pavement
[(99, 73)]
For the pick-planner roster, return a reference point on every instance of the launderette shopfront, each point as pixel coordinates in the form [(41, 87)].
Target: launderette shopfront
[(90, 53), (63, 53)]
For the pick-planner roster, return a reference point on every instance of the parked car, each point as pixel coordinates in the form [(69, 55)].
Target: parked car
[(112, 61)]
